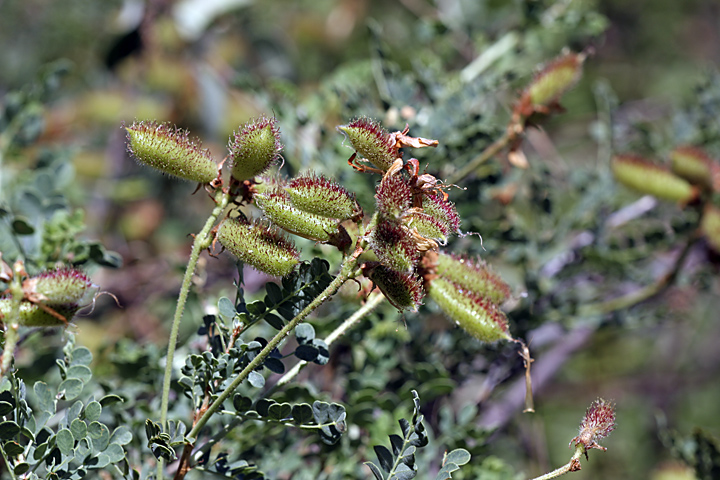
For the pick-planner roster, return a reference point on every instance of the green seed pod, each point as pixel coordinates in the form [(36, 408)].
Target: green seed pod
[(394, 196), (710, 226), (321, 196), (260, 246), (402, 290), (646, 177), (395, 246), (168, 149), (427, 226), (370, 141), (694, 165), (477, 315), (441, 210), (62, 286), (33, 315), (278, 207), (472, 275), (255, 147), (555, 79)]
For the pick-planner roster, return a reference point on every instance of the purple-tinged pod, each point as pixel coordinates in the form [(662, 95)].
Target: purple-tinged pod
[(61, 286), (321, 196), (648, 178), (694, 165), (370, 141), (170, 150), (473, 275), (259, 245), (477, 315), (395, 246), (555, 79), (441, 210), (427, 226), (403, 291), (34, 315), (394, 196), (278, 207), (254, 148)]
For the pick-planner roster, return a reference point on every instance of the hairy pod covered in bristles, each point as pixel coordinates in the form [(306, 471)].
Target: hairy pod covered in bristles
[(170, 150), (34, 315), (475, 314), (62, 286), (441, 210), (696, 166), (370, 141), (710, 226), (321, 196), (402, 290), (646, 177), (395, 246), (394, 196), (474, 275), (259, 245), (554, 80), (254, 148), (598, 422)]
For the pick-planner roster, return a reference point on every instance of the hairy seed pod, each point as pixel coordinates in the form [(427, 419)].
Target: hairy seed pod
[(370, 141), (427, 227), (62, 286), (555, 79), (402, 290), (170, 150), (254, 148), (598, 422), (394, 196), (710, 226), (321, 196), (395, 246), (473, 275), (33, 315), (475, 314), (258, 245), (694, 165), (646, 177), (441, 210), (278, 207)]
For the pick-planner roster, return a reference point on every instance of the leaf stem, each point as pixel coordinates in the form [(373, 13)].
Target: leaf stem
[(490, 151), (572, 466)]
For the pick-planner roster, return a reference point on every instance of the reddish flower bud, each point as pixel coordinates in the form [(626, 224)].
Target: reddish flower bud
[(33, 315), (473, 275), (62, 286), (646, 177), (402, 290), (321, 196), (696, 166), (395, 246), (477, 315), (168, 149), (598, 422), (255, 147), (394, 196), (370, 141), (259, 245)]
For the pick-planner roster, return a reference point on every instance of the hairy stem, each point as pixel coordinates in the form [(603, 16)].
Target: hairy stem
[(572, 466)]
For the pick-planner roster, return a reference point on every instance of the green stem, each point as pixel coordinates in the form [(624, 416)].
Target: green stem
[(571, 466), (486, 155), (202, 241), (12, 321)]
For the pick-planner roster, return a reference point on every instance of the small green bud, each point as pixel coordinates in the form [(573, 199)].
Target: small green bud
[(402, 290), (321, 196), (255, 147), (472, 275), (62, 286), (555, 79), (33, 315), (694, 165), (278, 207), (259, 245), (370, 141), (395, 246), (477, 315), (710, 226), (646, 177), (168, 149)]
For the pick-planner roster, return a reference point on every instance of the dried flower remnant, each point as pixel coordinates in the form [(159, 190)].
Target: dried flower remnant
[(599, 422), (254, 148)]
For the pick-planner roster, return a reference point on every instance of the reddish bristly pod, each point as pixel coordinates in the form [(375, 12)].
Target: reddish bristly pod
[(278, 207), (441, 210), (473, 275), (648, 178), (254, 148), (170, 150), (61, 286), (403, 290), (556, 78), (371, 141), (695, 165), (394, 196), (259, 245), (319, 195), (36, 315), (710, 226), (598, 422), (427, 226), (475, 314), (395, 246)]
